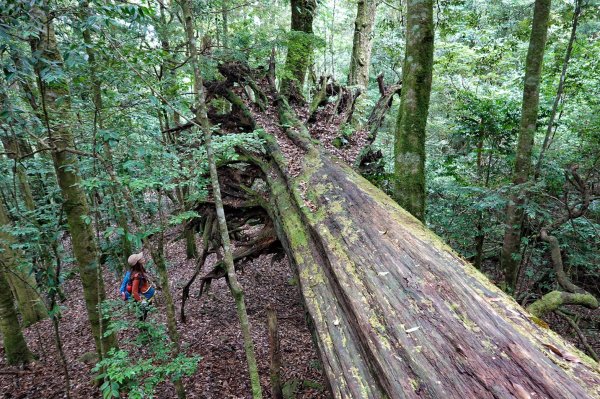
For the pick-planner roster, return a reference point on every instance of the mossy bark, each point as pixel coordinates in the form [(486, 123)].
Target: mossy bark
[(360, 60), (409, 148), (57, 112), (15, 347), (396, 313), (509, 257), (554, 300), (19, 277), (300, 47)]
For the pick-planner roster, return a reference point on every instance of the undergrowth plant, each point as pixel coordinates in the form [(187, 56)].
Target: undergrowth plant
[(144, 358)]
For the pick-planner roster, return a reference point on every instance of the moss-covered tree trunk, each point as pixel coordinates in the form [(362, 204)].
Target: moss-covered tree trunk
[(396, 313), (57, 111), (19, 276), (15, 347), (509, 257), (360, 60), (409, 148), (300, 47)]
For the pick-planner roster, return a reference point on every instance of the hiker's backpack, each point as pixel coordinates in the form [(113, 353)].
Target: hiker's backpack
[(126, 284)]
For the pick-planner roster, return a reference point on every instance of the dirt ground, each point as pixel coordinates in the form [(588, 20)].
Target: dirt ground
[(212, 331)]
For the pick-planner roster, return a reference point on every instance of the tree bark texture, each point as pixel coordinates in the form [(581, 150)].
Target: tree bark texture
[(511, 245), (57, 111), (409, 148), (360, 60), (19, 276), (15, 347), (300, 47), (395, 312)]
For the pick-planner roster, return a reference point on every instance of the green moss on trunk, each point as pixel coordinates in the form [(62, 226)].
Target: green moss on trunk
[(15, 347), (555, 299), (56, 103), (300, 47), (509, 257), (409, 148)]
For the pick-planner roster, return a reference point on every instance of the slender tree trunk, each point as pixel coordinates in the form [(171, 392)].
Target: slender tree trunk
[(274, 353), (120, 216), (15, 347), (225, 23), (409, 149), (57, 112), (480, 236), (202, 121), (300, 47), (509, 258), (360, 60), (559, 91), (161, 267)]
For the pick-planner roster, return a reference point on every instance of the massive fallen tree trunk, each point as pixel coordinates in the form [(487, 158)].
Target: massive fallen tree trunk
[(395, 312)]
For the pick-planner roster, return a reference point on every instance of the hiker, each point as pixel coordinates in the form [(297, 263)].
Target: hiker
[(136, 283), (141, 289)]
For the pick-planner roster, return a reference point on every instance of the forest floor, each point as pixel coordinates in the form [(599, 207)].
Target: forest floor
[(212, 331)]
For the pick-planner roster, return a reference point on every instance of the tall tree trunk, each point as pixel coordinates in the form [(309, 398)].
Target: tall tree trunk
[(360, 60), (509, 257), (57, 112), (409, 149), (480, 236), (560, 89), (161, 266), (201, 120), (300, 48), (15, 347), (20, 279)]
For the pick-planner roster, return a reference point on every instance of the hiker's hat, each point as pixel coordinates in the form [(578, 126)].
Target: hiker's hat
[(135, 258)]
